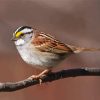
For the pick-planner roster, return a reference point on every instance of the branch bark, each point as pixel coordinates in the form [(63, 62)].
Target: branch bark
[(14, 86)]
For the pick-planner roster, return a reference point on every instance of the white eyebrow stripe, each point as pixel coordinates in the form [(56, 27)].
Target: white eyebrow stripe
[(26, 30), (17, 29)]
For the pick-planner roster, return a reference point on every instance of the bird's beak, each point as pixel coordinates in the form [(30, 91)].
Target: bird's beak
[(13, 39)]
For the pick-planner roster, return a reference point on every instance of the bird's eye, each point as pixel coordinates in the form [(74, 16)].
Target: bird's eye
[(22, 34)]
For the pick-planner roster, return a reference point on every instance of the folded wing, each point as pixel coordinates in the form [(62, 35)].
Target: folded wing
[(47, 43)]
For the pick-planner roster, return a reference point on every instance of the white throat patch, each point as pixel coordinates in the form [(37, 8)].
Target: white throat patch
[(19, 42)]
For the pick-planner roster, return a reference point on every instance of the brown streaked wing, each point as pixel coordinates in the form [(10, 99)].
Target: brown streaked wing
[(47, 43)]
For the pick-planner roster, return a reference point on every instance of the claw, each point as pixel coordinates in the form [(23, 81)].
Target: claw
[(40, 76), (37, 77)]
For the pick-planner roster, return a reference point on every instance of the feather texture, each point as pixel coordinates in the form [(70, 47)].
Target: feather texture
[(47, 43)]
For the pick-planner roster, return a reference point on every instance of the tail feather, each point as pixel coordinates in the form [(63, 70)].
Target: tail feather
[(82, 49)]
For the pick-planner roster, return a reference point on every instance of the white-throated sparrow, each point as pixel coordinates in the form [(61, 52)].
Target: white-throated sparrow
[(39, 48)]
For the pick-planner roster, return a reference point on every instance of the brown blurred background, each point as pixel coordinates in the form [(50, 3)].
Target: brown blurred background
[(75, 22)]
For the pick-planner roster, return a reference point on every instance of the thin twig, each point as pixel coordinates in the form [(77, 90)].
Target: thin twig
[(14, 86)]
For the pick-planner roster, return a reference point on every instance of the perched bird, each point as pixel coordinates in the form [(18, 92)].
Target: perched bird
[(43, 50)]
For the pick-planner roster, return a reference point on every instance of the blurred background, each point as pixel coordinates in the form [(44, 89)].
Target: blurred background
[(75, 22)]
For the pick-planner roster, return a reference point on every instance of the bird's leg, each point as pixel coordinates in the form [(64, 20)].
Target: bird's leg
[(41, 75)]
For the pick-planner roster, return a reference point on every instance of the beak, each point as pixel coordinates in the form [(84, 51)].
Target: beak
[(13, 39)]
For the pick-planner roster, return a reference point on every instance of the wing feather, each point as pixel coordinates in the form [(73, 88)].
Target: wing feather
[(47, 43)]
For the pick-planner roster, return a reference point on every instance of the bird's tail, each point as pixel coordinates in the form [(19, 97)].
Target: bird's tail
[(82, 49)]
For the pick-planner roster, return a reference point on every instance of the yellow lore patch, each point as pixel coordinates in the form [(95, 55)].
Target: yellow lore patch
[(18, 34)]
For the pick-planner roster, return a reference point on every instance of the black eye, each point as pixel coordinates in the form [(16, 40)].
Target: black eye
[(21, 35)]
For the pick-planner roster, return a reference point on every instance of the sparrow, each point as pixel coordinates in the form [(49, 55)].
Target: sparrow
[(42, 50)]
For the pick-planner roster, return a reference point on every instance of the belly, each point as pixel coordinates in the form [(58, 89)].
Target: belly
[(42, 60)]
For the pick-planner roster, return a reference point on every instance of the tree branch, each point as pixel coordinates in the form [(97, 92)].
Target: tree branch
[(11, 86)]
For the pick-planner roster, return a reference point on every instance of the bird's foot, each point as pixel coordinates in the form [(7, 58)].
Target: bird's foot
[(37, 77), (40, 76)]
